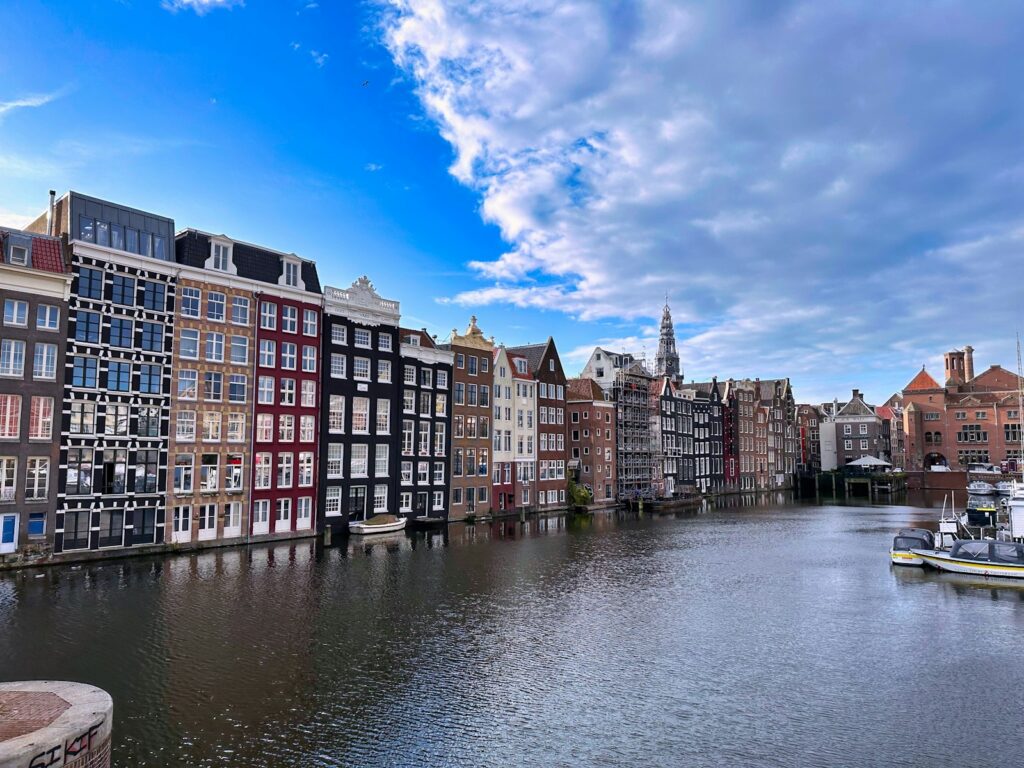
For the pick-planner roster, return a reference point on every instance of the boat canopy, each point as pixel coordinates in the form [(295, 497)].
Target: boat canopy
[(919, 533), (907, 543), (987, 550)]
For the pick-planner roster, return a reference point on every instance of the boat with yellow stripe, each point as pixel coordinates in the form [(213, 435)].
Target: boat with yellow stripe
[(981, 557), (907, 540)]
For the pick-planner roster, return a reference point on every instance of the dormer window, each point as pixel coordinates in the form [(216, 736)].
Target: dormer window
[(221, 257), (520, 365), (19, 255), (291, 274)]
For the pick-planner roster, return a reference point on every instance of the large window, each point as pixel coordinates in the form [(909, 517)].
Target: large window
[(47, 317), (154, 296), (84, 372), (119, 377), (305, 470), (360, 415), (123, 290), (215, 304), (209, 473), (335, 460), (122, 332), (360, 457), (15, 312), (234, 473), (289, 319), (188, 384), (191, 299), (146, 466), (12, 357), (37, 479), (115, 419), (285, 470), (79, 478), (40, 425), (239, 310), (236, 427), (380, 460), (237, 388), (183, 473), (383, 416), (153, 337), (309, 322), (10, 416), (268, 315), (150, 379), (336, 414), (239, 350), (45, 363), (215, 347), (115, 470), (263, 470), (288, 355), (90, 284), (185, 426), (213, 386)]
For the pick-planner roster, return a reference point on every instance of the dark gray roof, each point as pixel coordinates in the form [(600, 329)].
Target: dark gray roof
[(192, 248), (534, 354)]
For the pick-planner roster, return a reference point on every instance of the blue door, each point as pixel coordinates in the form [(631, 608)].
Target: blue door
[(8, 533)]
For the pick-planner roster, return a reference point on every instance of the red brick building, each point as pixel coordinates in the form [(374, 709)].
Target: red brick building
[(592, 438), (969, 419)]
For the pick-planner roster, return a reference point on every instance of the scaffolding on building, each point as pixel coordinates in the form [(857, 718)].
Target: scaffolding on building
[(635, 443)]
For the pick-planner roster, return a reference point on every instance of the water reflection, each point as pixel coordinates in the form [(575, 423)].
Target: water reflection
[(617, 638)]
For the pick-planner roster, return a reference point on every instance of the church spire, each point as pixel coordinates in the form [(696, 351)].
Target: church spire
[(668, 358)]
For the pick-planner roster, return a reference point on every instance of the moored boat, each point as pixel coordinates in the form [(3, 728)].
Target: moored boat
[(377, 524), (907, 540), (980, 488), (426, 523), (1004, 488), (980, 557)]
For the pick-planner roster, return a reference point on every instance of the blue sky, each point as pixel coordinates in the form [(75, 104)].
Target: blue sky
[(825, 191)]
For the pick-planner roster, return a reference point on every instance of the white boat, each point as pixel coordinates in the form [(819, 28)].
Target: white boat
[(1004, 488), (980, 488), (376, 524), (980, 557), (907, 540)]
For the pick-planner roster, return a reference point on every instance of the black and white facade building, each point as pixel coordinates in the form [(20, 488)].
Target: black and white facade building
[(426, 433), (708, 440), (675, 434), (114, 424), (361, 419)]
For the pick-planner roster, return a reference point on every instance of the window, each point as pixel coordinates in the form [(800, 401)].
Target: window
[(384, 341), (221, 257), (287, 391), (234, 474), (188, 385), (190, 301), (304, 512), (438, 473), (409, 374), (307, 429), (863, 445), (361, 415), (440, 433), (237, 388), (305, 479), (291, 273), (154, 296), (442, 379), (426, 377), (123, 290), (383, 416), (265, 390), (384, 371), (119, 377), (309, 359), (215, 304), (47, 317), (380, 460), (863, 429), (185, 426), (288, 355), (236, 427), (289, 319), (338, 366), (335, 460), (213, 386), (422, 472), (40, 424), (460, 393), (336, 414), (472, 361), (308, 394), (440, 404), (19, 255), (286, 428), (79, 479), (360, 455), (848, 445), (239, 310), (146, 466), (239, 350), (211, 426), (215, 347), (83, 418), (152, 337), (268, 354), (309, 322), (380, 498), (438, 500), (115, 470), (45, 363), (332, 503), (263, 471), (209, 473), (361, 368), (36, 524), (10, 416), (122, 332), (87, 327), (15, 312), (90, 284), (268, 315), (150, 379), (408, 428), (188, 346), (362, 338), (339, 334)]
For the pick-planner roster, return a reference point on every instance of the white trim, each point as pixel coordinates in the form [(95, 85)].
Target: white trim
[(224, 243), (52, 285), (427, 354)]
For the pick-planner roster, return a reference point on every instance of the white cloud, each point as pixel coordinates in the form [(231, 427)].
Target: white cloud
[(28, 102), (201, 7), (319, 58), (15, 220), (373, 167), (759, 164)]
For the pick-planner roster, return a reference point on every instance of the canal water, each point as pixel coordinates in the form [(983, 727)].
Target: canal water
[(748, 636)]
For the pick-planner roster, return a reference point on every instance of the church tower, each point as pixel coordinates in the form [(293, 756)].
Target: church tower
[(668, 358)]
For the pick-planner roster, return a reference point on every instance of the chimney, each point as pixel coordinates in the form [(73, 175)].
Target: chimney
[(49, 213), (968, 362), (856, 394)]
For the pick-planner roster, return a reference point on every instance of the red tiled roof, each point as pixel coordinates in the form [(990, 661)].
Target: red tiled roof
[(923, 380), (46, 252), (583, 389), (884, 412)]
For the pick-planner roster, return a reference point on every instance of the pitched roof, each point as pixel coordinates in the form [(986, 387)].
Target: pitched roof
[(534, 354), (46, 255), (424, 337), (885, 412), (583, 389), (922, 381), (856, 407)]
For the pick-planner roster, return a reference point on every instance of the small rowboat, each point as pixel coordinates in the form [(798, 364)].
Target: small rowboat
[(981, 557), (377, 524)]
